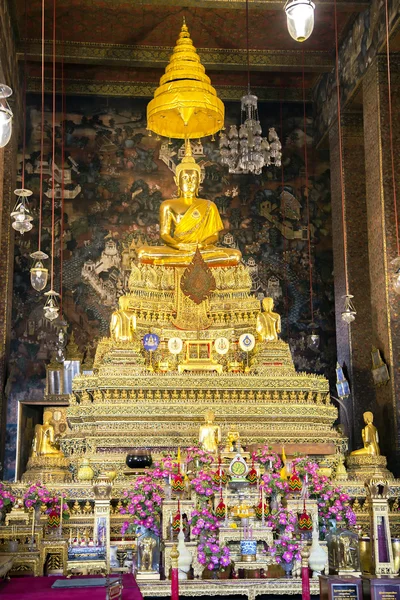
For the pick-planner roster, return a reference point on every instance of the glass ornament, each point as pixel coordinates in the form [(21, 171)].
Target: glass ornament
[(300, 19), (6, 115), (349, 312), (51, 308), (21, 214), (396, 274), (39, 273)]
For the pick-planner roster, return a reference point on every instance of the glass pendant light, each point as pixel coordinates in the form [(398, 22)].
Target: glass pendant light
[(300, 19), (6, 115), (396, 274), (349, 313), (313, 338), (51, 308), (21, 214), (39, 273)]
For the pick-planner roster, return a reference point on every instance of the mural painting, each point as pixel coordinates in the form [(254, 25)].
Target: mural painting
[(115, 178)]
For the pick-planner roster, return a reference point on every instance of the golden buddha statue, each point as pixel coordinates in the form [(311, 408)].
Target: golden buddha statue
[(187, 223), (123, 322), (44, 440), (209, 433), (268, 322), (233, 441), (370, 438)]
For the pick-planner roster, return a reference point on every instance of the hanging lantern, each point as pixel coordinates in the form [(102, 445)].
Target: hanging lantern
[(305, 522), (176, 522), (295, 485), (342, 385), (220, 510), (252, 476), (349, 313), (51, 308), (300, 19), (178, 483), (396, 274), (39, 273), (6, 115), (21, 214), (259, 509), (313, 338)]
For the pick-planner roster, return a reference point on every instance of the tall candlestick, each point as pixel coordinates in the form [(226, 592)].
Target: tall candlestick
[(61, 515), (226, 505), (33, 525), (262, 507)]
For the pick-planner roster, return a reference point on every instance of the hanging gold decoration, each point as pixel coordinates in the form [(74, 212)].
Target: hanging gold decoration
[(185, 105)]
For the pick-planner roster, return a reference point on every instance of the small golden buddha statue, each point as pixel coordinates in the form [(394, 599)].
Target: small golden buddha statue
[(370, 438), (209, 433), (123, 322), (268, 322), (233, 441), (187, 223), (44, 440)]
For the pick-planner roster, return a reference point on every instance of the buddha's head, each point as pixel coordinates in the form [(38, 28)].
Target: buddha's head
[(209, 416), (188, 174), (268, 304), (368, 417), (123, 302)]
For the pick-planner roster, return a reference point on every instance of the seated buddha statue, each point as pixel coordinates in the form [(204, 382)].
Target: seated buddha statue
[(370, 438), (187, 223), (44, 440), (268, 322)]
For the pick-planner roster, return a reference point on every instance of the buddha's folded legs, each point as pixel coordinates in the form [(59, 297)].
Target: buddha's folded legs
[(165, 255)]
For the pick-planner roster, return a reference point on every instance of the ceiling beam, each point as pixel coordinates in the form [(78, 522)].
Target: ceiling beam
[(81, 87), (158, 57)]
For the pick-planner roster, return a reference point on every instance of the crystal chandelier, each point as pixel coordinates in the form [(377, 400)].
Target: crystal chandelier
[(21, 214), (349, 312), (245, 151)]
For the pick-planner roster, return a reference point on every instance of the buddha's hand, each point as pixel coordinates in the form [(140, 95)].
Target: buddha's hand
[(187, 247)]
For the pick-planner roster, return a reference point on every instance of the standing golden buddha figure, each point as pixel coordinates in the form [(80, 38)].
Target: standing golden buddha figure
[(268, 322), (189, 222)]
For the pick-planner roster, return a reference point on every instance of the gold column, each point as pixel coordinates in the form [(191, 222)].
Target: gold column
[(354, 342), (385, 304)]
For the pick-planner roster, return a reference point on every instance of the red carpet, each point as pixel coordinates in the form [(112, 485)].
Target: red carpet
[(39, 588)]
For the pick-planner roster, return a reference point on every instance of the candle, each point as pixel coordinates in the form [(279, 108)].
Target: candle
[(33, 525), (70, 537), (61, 514), (226, 505), (262, 506)]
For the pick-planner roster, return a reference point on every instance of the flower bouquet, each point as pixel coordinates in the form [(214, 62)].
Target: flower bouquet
[(6, 498), (36, 496), (203, 484), (203, 523), (201, 457), (213, 556), (144, 505), (270, 459)]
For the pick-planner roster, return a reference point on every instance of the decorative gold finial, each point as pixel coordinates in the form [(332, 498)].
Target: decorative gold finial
[(185, 105)]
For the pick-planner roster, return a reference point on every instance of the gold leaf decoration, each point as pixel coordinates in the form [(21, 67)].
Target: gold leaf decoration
[(197, 281)]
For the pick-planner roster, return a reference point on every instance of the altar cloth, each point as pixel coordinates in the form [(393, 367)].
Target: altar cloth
[(40, 588)]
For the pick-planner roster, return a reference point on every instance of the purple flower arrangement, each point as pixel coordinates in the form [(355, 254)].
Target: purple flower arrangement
[(6, 498), (143, 505), (203, 484), (203, 523), (212, 555), (274, 484), (194, 453), (268, 458), (36, 496)]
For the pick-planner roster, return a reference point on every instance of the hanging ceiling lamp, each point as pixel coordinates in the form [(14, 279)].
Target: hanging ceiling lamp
[(21, 213), (246, 151), (300, 19), (51, 308), (6, 115), (39, 273), (349, 312)]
